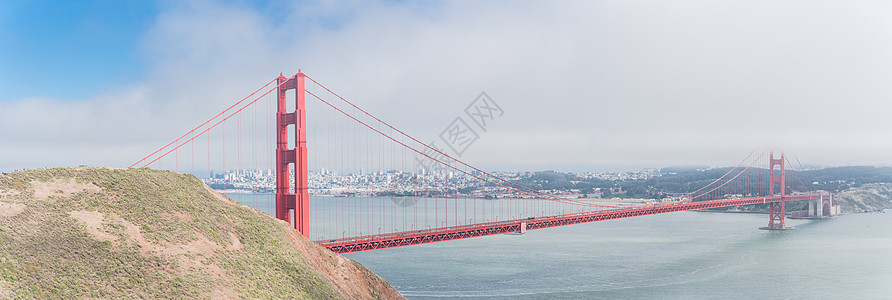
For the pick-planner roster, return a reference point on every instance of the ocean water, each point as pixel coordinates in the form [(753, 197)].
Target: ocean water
[(687, 255)]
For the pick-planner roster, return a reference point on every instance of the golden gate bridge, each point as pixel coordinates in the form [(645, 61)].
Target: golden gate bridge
[(396, 201)]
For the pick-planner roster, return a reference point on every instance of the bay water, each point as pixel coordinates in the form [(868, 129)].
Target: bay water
[(685, 255)]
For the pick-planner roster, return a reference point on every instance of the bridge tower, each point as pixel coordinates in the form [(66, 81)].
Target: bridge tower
[(292, 196), (776, 210)]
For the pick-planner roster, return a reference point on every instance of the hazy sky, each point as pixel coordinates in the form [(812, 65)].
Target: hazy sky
[(584, 85)]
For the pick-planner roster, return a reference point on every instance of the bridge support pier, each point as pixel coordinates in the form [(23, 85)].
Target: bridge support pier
[(287, 200), (776, 210)]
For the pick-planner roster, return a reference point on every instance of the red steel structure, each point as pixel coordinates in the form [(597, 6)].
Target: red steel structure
[(290, 197), (408, 238), (776, 210), (285, 201)]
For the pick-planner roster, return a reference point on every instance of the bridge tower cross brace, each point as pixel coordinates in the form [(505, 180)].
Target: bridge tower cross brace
[(776, 210), (287, 200)]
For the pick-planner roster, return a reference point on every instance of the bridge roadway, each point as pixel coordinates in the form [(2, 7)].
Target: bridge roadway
[(417, 237)]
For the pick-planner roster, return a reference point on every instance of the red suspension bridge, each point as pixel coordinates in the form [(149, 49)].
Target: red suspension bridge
[(353, 182)]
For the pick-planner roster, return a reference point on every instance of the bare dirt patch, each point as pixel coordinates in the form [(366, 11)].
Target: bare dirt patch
[(8, 210), (196, 254), (193, 255), (203, 246), (182, 216), (234, 243), (93, 220), (60, 187)]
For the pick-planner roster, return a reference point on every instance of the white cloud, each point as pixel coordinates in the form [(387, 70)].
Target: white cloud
[(587, 85)]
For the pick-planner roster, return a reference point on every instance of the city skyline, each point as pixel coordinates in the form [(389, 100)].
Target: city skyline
[(323, 182)]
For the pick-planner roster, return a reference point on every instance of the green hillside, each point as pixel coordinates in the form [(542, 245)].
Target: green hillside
[(95, 232)]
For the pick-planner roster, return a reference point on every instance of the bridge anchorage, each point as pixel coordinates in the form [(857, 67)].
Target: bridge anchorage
[(821, 208)]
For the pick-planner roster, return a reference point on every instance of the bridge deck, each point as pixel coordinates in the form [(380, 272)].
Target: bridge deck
[(408, 238)]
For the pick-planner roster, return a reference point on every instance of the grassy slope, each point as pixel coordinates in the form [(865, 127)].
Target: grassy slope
[(47, 254)]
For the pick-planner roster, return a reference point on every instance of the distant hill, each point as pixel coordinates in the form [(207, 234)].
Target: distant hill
[(140, 233), (688, 179), (866, 198)]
